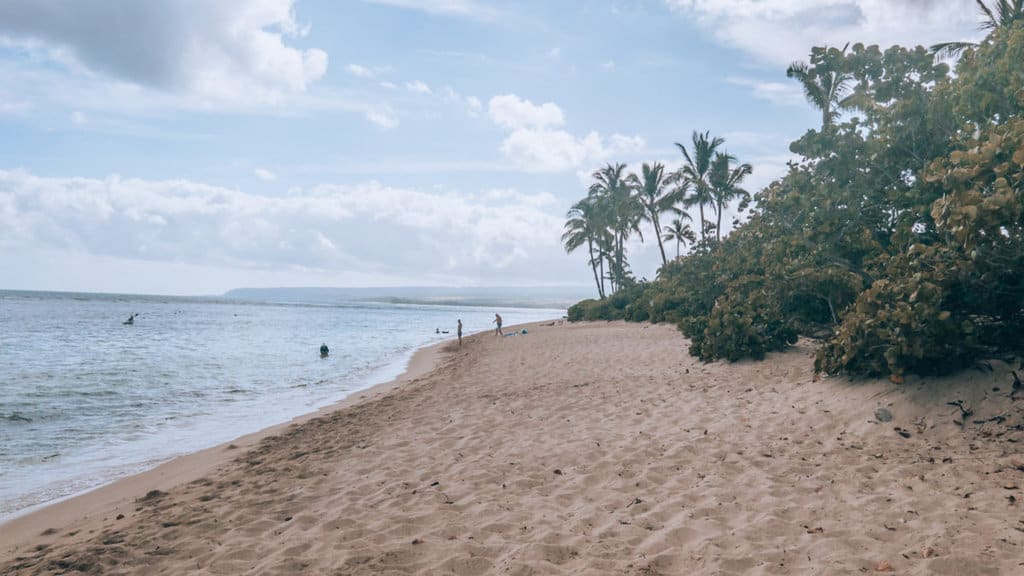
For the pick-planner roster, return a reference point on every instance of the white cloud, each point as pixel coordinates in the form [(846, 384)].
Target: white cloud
[(781, 31), (471, 104), (622, 144), (367, 227), (388, 85), (78, 119), (324, 242), (368, 72), (464, 8), (360, 71), (14, 107), (511, 111), (450, 95), (535, 143), (265, 175), (782, 94), (219, 51), (608, 65), (557, 150), (418, 87), (383, 117), (550, 150), (486, 231)]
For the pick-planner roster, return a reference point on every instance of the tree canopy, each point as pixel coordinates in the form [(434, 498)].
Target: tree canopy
[(897, 239)]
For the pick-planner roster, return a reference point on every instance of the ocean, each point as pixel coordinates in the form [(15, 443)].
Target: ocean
[(86, 399)]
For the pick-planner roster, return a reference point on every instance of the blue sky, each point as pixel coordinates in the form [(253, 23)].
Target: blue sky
[(193, 146)]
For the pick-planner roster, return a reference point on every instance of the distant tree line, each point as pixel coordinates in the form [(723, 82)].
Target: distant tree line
[(897, 240), (617, 203)]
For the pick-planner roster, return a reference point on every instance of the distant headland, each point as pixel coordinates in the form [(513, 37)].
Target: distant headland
[(515, 297)]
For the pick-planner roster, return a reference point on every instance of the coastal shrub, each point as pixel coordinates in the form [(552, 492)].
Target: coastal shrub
[(687, 288), (630, 303), (742, 324), (897, 239), (627, 303), (941, 307), (910, 322), (957, 294), (590, 309)]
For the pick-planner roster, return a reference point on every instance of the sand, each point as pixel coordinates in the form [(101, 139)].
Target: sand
[(594, 448)]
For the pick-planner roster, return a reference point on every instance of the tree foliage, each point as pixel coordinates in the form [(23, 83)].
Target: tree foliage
[(897, 239), (1001, 14), (617, 204), (695, 173), (825, 82)]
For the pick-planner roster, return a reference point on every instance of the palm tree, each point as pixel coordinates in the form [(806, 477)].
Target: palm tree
[(605, 245), (654, 195), (680, 232), (725, 184), (581, 228), (1002, 15), (696, 170), (621, 214), (825, 86)]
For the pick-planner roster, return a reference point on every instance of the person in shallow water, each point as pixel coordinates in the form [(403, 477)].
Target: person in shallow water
[(324, 350), (130, 320)]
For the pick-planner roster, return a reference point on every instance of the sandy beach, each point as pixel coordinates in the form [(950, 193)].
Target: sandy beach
[(593, 448)]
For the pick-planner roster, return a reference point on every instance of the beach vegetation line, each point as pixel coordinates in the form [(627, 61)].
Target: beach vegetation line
[(896, 239)]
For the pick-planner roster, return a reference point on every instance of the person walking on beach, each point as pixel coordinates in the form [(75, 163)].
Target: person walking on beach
[(497, 320), (459, 330)]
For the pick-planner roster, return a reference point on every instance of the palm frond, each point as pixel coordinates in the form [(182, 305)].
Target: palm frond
[(950, 50), (991, 22)]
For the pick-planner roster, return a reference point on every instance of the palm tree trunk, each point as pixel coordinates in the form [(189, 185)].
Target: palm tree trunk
[(612, 280), (657, 234), (618, 261), (603, 276), (593, 266), (718, 223), (703, 235)]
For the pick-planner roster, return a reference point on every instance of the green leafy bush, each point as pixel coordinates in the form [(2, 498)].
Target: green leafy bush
[(742, 324), (626, 304), (590, 310), (908, 323), (898, 238)]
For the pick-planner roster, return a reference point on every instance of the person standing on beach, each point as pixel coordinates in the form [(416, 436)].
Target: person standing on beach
[(459, 330), (497, 320)]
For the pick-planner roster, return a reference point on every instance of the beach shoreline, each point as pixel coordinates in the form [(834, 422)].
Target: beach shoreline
[(119, 494), (94, 400), (598, 448)]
